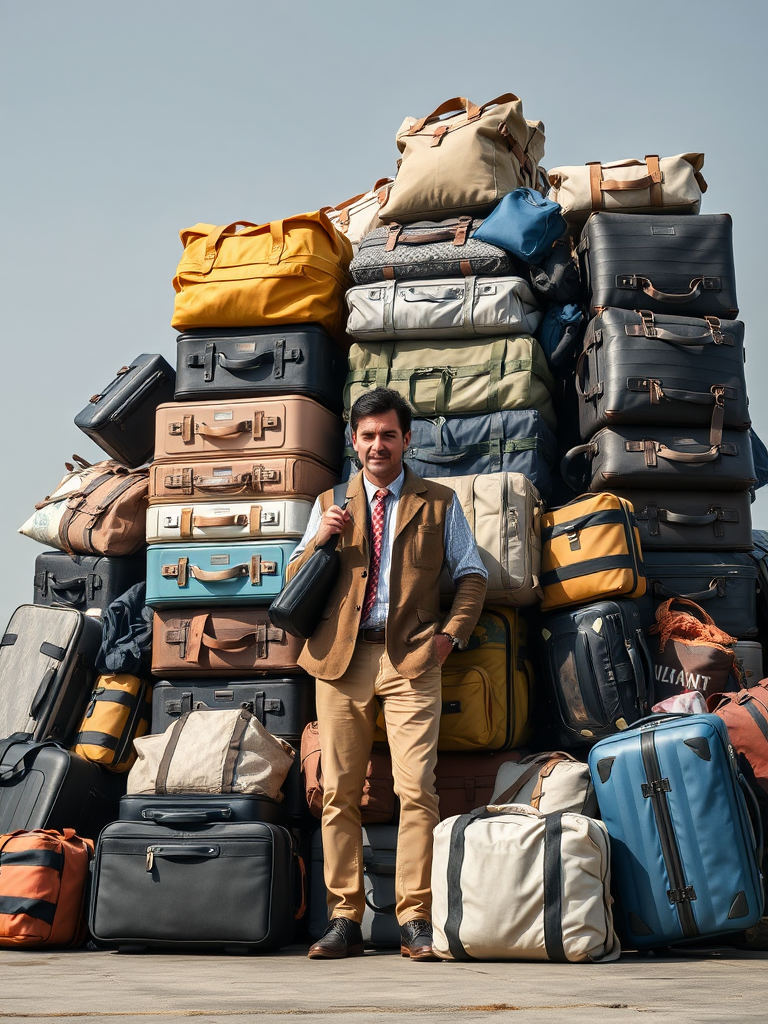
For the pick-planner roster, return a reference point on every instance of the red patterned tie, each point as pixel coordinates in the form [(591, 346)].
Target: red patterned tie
[(377, 532)]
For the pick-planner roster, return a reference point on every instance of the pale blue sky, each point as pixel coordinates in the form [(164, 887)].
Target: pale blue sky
[(123, 122)]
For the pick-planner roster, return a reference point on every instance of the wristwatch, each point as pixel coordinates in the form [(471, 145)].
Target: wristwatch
[(455, 642)]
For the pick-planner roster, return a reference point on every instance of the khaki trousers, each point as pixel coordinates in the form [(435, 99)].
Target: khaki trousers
[(346, 713)]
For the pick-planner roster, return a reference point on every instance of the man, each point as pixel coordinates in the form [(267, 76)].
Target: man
[(382, 636)]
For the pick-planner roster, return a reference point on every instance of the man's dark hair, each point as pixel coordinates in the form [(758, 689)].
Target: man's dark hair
[(373, 403)]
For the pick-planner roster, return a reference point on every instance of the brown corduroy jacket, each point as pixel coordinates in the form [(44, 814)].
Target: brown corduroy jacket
[(414, 589)]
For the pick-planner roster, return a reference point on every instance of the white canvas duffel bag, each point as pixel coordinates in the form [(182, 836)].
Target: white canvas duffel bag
[(549, 782), (503, 511), (448, 307), (511, 883), (668, 184)]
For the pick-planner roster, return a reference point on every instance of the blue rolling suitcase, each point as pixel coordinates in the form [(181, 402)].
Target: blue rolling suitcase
[(241, 572), (683, 848)]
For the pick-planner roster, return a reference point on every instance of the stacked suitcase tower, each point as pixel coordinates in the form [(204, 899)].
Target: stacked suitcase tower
[(249, 431)]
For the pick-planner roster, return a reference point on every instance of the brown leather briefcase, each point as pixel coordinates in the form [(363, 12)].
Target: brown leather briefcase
[(242, 478), (225, 642), (248, 426)]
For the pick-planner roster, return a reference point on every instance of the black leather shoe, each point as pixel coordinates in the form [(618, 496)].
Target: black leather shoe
[(341, 938), (416, 940)]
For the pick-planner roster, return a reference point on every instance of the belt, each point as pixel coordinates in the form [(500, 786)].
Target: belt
[(372, 636)]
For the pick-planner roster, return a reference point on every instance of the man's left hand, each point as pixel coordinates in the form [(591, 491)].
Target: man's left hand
[(443, 647)]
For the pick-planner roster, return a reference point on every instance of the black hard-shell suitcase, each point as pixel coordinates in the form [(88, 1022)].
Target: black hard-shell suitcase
[(85, 582), (212, 886), (692, 520), (47, 659), (724, 585), (666, 371), (663, 263), (597, 669), (121, 419), (178, 811), (283, 706), (238, 363), (46, 786)]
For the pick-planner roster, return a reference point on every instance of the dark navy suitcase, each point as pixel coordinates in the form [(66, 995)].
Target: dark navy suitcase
[(683, 850), (85, 582), (121, 419), (239, 363)]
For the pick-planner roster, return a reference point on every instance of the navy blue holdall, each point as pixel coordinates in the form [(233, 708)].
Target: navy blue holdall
[(684, 853)]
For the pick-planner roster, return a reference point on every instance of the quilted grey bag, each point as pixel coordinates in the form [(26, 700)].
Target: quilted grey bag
[(444, 248)]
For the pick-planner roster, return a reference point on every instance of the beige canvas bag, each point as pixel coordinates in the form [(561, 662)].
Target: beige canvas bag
[(670, 184), (503, 511), (357, 216), (211, 752), (456, 378), (511, 883), (549, 782), (461, 159)]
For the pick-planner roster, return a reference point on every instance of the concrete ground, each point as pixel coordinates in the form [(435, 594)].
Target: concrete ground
[(159, 988)]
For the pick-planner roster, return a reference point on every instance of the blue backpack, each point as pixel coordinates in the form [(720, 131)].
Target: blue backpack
[(525, 224)]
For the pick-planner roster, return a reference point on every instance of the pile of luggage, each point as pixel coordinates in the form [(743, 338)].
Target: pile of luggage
[(605, 730)]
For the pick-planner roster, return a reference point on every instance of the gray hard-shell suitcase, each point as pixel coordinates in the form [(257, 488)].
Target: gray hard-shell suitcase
[(209, 886), (664, 263), (239, 362), (666, 371), (380, 927), (47, 664), (692, 520), (85, 582), (660, 458), (43, 785), (121, 418)]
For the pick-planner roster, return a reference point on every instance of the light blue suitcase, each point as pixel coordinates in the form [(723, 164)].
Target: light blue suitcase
[(684, 856), (241, 572)]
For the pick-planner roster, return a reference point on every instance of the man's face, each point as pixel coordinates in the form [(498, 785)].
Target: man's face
[(380, 443)]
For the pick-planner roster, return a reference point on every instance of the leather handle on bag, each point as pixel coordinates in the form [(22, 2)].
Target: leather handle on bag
[(695, 288), (648, 329), (453, 106), (713, 590), (568, 458), (237, 520), (261, 635), (681, 519), (255, 568), (652, 181), (226, 483), (655, 450), (225, 429)]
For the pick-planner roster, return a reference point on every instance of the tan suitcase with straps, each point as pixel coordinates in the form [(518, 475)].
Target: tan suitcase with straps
[(290, 426), (260, 477)]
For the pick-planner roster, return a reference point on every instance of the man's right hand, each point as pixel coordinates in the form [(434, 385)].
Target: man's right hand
[(334, 521)]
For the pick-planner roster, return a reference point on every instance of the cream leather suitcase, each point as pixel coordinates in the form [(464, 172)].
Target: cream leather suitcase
[(290, 426), (237, 520)]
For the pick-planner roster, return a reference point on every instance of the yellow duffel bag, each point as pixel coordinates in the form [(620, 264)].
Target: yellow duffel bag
[(291, 271), (120, 710), (487, 688)]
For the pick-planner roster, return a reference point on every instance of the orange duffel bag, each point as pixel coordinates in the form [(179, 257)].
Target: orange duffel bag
[(291, 271), (42, 888)]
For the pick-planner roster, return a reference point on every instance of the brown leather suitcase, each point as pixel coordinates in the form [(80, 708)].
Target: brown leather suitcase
[(242, 478), (466, 781), (246, 426), (225, 642)]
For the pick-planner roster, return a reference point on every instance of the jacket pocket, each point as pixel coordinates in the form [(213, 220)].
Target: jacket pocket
[(427, 547)]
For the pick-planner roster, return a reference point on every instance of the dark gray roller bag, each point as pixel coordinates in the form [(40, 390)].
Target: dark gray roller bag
[(724, 585), (47, 659), (121, 418), (211, 886), (665, 263), (692, 520), (660, 458), (513, 441), (666, 371), (239, 363), (43, 785), (85, 582), (178, 810), (380, 927)]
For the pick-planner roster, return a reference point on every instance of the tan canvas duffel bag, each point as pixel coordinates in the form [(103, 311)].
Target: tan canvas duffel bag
[(511, 883), (456, 378), (461, 159), (503, 511), (97, 509), (211, 752), (549, 782), (357, 216), (668, 184)]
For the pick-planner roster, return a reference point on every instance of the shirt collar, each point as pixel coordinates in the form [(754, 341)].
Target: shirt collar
[(394, 488)]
